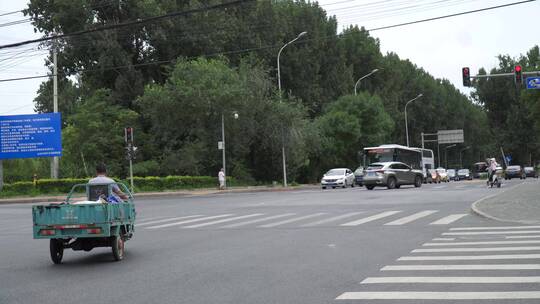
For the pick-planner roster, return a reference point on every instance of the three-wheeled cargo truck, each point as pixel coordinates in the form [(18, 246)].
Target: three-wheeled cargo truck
[(84, 225)]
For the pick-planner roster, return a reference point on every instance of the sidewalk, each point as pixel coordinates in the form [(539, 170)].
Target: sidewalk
[(181, 193), (517, 204)]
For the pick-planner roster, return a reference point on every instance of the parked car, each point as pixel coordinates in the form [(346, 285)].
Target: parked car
[(443, 174), (391, 175), (435, 177), (514, 172), (464, 174), (339, 177), (530, 172), (451, 174), (359, 176)]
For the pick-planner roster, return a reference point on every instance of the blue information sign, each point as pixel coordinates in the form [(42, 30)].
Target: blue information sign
[(533, 82), (29, 136)]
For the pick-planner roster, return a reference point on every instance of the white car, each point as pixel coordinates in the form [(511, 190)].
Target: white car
[(339, 177)]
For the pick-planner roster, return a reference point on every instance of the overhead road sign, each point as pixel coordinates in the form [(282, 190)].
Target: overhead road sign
[(533, 83), (29, 136), (450, 136)]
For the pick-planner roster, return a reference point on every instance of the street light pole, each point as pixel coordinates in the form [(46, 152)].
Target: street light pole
[(279, 87), (460, 152), (406, 127), (365, 76), (446, 154)]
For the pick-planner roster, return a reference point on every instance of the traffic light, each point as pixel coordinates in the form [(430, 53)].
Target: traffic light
[(518, 78), (128, 134), (466, 73)]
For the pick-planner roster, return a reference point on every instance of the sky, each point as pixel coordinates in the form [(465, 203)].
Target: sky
[(440, 47)]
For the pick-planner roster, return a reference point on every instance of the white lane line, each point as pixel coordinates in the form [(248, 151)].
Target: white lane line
[(470, 257), (189, 221), (444, 239), (491, 232), (461, 267), (523, 237), (259, 220), (442, 295), (332, 219), (149, 218), (494, 228), (291, 220), (370, 218), (452, 280), (167, 220), (529, 248), (449, 219), (413, 217), (482, 243), (439, 187), (224, 220)]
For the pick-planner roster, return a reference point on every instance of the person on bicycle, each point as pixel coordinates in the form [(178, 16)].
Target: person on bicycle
[(492, 168)]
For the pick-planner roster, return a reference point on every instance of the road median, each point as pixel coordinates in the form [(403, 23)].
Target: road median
[(517, 204)]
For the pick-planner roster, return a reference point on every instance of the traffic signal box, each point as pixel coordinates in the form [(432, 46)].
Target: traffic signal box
[(518, 78), (466, 73)]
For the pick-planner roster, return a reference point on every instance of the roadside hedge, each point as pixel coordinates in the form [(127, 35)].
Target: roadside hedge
[(149, 183)]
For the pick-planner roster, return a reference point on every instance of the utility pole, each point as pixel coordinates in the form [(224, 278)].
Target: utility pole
[(223, 150), (54, 163)]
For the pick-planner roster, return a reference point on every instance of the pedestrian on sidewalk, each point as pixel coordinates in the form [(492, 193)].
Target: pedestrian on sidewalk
[(221, 178)]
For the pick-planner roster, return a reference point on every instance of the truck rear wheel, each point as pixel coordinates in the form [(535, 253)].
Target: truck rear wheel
[(117, 244), (56, 248)]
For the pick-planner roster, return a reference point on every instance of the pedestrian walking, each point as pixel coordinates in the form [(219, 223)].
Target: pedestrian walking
[(221, 178)]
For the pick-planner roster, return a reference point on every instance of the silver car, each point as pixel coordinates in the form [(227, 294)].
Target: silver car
[(391, 175), (340, 177)]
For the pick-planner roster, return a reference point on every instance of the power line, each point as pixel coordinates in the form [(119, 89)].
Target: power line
[(10, 13), (136, 22)]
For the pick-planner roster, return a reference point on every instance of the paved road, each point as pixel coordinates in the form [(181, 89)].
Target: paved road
[(310, 246)]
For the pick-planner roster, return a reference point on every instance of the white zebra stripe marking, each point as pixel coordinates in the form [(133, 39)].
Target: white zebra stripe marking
[(470, 257), (411, 218), (449, 219), (189, 221), (371, 218), (332, 219), (291, 220), (491, 232), (424, 295), (259, 220), (494, 228), (462, 267), (523, 237), (482, 243), (166, 220), (452, 280), (224, 220), (444, 239), (529, 248)]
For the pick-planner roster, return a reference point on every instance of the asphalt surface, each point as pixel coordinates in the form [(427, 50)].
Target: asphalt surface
[(308, 246)]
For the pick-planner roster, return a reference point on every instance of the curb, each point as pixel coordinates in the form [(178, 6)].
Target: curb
[(477, 211), (190, 193)]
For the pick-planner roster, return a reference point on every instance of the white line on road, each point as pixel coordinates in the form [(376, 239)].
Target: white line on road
[(470, 257), (332, 219), (452, 280), (439, 187), (491, 232), (413, 217), (224, 220), (258, 220), (462, 267), (444, 239), (477, 249), (424, 295), (291, 220), (189, 221), (449, 219), (482, 243), (494, 228), (370, 218), (523, 237), (167, 220)]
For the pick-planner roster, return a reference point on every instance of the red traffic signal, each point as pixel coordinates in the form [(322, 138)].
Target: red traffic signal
[(128, 134), (518, 78), (466, 73)]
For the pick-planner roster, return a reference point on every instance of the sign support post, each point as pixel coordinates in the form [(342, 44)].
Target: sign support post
[(54, 167)]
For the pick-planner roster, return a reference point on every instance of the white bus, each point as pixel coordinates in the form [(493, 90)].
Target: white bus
[(416, 158)]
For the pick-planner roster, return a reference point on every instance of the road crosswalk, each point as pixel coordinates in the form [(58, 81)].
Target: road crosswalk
[(294, 220), (430, 273)]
